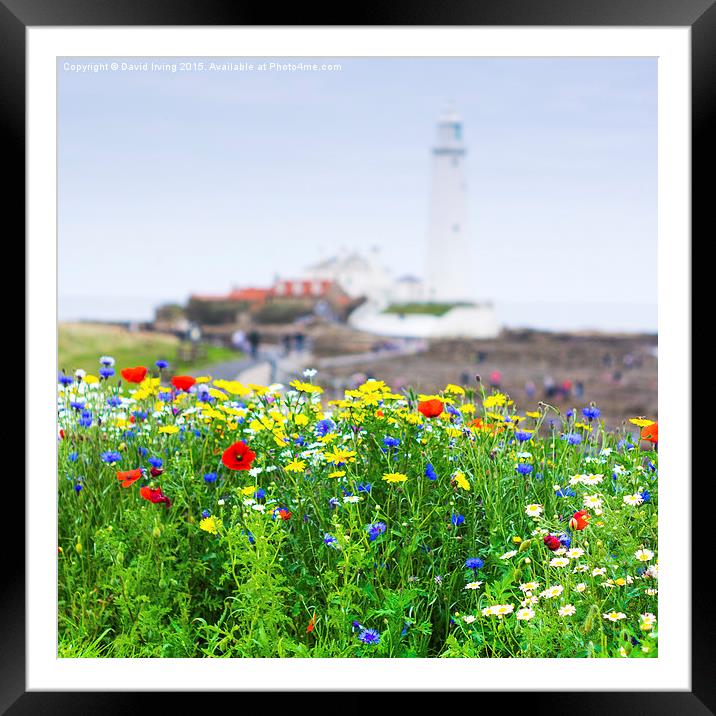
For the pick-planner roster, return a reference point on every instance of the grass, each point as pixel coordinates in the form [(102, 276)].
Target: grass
[(427, 309), (81, 344), (381, 525)]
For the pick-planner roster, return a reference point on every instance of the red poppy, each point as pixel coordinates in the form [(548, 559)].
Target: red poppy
[(129, 477), (183, 382), (430, 408), (62, 434), (156, 471), (155, 495), (134, 375), (311, 624), (552, 543), (580, 520), (283, 513), (650, 433), (238, 456)]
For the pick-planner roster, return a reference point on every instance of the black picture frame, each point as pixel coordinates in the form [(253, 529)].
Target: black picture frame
[(699, 15)]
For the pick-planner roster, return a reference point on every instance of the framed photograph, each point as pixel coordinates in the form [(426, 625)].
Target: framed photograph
[(349, 342)]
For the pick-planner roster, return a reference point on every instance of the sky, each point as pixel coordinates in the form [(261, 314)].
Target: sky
[(173, 183)]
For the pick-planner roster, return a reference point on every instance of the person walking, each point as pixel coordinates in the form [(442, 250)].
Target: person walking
[(254, 342)]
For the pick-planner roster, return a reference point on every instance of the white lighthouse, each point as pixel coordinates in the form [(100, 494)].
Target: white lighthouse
[(448, 275)]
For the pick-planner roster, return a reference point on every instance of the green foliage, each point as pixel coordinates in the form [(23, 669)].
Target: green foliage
[(80, 345), (426, 309), (143, 579), (282, 311)]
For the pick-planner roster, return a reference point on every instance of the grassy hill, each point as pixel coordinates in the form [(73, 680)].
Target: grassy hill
[(81, 344)]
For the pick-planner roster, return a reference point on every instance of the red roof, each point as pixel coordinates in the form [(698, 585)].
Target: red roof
[(249, 294), (297, 288), (301, 288)]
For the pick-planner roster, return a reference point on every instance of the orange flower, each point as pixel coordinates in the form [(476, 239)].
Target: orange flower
[(580, 520), (311, 624), (430, 408), (155, 495), (238, 456), (183, 382), (129, 477), (134, 375), (650, 433)]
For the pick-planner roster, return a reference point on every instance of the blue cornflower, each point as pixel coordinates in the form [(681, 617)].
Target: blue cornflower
[(144, 451), (106, 360), (565, 492), (205, 514), (65, 379), (565, 539), (375, 530), (624, 445), (569, 413), (106, 372), (333, 502), (645, 495), (369, 636), (364, 487), (110, 457), (323, 427), (73, 457), (591, 412), (390, 442), (76, 405), (114, 401), (155, 461), (454, 412), (430, 472), (161, 364), (164, 396), (249, 537), (523, 436), (210, 477), (260, 494), (140, 414), (524, 468), (474, 563), (78, 487), (572, 438), (330, 540), (457, 519)]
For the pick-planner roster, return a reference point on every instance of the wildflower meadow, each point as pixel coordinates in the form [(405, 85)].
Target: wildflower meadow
[(208, 518)]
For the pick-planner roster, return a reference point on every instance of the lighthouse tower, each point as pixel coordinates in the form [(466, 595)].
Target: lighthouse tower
[(449, 262), (449, 274)]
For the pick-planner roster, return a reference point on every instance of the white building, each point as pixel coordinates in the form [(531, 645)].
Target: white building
[(448, 274), (358, 275)]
